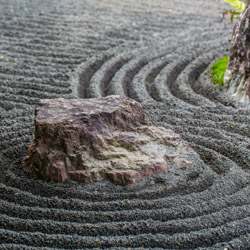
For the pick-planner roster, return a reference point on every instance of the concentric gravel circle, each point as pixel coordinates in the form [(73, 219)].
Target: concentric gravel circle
[(155, 52)]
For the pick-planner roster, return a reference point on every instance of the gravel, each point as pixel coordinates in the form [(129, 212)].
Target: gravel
[(156, 52)]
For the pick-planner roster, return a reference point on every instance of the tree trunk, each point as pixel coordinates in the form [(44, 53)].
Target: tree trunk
[(237, 76)]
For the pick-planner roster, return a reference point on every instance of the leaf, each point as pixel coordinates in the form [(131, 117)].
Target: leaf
[(218, 70), (231, 17), (237, 4), (233, 14)]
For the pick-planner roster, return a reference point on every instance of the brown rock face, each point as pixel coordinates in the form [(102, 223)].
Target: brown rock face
[(92, 139), (237, 76)]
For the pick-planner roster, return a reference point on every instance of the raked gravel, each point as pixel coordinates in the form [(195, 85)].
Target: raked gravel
[(156, 52)]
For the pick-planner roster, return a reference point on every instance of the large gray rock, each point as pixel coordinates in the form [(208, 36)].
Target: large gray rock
[(237, 76), (93, 139)]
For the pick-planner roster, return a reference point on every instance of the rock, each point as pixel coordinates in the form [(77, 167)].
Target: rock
[(89, 140), (237, 76)]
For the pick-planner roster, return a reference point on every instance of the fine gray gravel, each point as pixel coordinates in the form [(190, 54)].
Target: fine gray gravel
[(155, 52)]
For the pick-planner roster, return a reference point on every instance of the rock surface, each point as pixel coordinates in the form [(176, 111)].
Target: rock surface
[(237, 76), (92, 139)]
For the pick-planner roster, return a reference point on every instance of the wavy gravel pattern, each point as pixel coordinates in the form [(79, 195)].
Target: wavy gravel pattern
[(156, 52)]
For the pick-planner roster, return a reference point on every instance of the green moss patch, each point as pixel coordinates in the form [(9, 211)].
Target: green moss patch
[(218, 70)]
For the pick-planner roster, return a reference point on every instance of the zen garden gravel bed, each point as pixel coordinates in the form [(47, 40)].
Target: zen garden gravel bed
[(155, 52)]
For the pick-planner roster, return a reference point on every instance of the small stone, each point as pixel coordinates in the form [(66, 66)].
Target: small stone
[(90, 140)]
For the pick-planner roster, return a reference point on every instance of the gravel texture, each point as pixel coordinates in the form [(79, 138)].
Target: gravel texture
[(155, 52)]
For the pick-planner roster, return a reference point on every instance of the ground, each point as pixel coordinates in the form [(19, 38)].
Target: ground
[(155, 52)]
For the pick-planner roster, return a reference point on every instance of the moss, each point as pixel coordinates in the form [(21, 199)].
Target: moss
[(218, 70)]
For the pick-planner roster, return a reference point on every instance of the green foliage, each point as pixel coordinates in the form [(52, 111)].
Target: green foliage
[(218, 70), (239, 6)]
